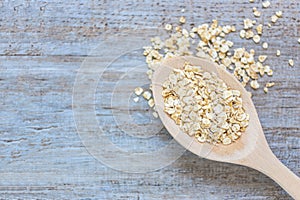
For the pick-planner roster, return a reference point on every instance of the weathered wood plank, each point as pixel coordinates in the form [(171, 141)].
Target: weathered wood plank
[(42, 46)]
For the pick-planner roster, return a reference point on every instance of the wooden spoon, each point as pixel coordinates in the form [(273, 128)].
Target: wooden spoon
[(250, 150)]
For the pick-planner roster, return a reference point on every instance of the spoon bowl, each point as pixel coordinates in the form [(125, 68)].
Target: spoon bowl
[(251, 149)]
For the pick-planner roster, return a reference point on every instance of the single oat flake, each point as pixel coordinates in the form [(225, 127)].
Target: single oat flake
[(262, 58), (266, 4), (259, 29), (279, 14), (182, 20), (278, 53), (256, 38), (155, 115), (136, 99), (254, 84), (274, 18), (138, 91), (265, 45), (168, 27), (291, 62), (151, 103), (147, 95), (270, 84)]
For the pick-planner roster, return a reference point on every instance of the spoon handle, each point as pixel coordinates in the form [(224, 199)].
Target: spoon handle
[(266, 162)]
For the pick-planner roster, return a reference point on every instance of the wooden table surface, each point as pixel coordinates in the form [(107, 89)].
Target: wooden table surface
[(45, 45)]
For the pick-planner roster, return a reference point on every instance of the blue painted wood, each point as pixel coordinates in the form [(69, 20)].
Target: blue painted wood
[(42, 46)]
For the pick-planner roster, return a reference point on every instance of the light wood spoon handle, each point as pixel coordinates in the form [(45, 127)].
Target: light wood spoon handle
[(267, 163)]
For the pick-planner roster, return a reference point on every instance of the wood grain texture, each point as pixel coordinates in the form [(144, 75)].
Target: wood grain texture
[(42, 46)]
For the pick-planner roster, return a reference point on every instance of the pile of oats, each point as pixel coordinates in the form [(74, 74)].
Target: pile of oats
[(209, 41), (204, 106)]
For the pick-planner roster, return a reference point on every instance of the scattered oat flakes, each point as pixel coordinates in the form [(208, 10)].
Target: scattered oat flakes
[(265, 45), (256, 38), (251, 1), (266, 89), (147, 95), (138, 91), (268, 70), (210, 43), (299, 40), (266, 4), (278, 53), (291, 62)]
